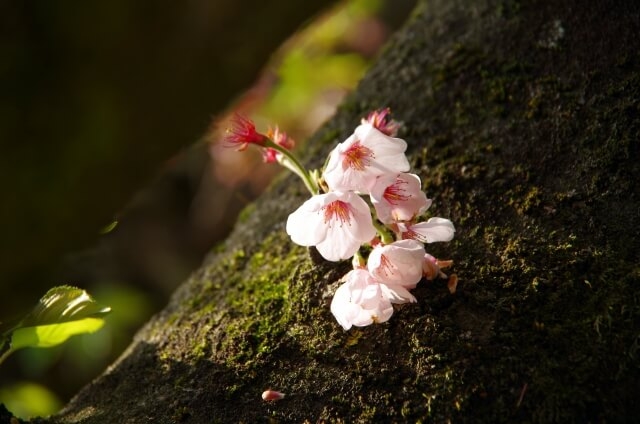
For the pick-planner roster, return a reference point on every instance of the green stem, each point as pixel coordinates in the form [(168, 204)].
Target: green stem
[(296, 167), (5, 355), (385, 236), (383, 231)]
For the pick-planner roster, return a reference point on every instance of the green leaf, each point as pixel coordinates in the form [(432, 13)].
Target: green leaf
[(63, 311), (53, 334), (64, 304)]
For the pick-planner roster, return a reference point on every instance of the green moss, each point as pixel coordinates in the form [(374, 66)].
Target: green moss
[(246, 212)]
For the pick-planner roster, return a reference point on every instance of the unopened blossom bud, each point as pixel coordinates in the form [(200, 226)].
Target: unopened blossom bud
[(452, 284), (271, 395), (271, 155), (280, 138), (432, 267)]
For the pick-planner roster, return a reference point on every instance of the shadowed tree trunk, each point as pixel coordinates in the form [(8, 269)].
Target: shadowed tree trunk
[(522, 119)]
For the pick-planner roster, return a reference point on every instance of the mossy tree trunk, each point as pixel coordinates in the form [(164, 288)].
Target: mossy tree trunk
[(523, 121)]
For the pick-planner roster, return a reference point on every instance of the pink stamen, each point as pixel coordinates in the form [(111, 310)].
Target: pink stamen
[(394, 194), (357, 157), (382, 122), (410, 234), (337, 211), (242, 133), (386, 265)]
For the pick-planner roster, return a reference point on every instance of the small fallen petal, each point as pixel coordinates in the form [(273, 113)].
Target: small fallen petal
[(453, 283), (271, 395)]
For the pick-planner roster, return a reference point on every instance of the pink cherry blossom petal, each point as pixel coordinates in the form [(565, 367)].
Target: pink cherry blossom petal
[(397, 294), (355, 163), (360, 301), (337, 223), (398, 197), (433, 230), (398, 263)]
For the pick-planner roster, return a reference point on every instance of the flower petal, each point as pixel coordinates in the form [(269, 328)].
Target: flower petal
[(337, 223), (435, 229), (397, 294), (397, 263), (398, 197), (360, 301), (305, 224)]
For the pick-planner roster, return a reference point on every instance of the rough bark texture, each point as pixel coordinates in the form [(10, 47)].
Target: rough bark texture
[(522, 119)]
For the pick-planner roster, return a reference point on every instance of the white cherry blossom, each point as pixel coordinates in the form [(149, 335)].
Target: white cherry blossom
[(398, 197), (336, 223), (399, 263), (360, 301), (355, 163)]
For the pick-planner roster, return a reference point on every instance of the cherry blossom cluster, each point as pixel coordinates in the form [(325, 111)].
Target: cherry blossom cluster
[(369, 165)]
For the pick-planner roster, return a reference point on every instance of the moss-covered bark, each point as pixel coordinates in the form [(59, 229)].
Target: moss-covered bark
[(523, 121)]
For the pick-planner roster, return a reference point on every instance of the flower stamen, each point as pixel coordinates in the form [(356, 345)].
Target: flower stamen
[(357, 157), (386, 266), (242, 133), (337, 211), (395, 193), (382, 122)]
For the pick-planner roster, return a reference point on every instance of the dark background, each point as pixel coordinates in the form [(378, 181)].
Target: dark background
[(100, 99)]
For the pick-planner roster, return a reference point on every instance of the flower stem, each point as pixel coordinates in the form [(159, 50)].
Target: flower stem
[(383, 231), (294, 165), (385, 237), (5, 355)]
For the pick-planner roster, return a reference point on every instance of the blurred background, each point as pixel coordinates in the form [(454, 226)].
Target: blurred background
[(112, 177)]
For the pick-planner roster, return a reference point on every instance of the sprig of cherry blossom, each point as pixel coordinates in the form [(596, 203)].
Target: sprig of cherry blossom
[(337, 219)]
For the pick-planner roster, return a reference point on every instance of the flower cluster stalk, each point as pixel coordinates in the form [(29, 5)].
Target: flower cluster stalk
[(291, 162)]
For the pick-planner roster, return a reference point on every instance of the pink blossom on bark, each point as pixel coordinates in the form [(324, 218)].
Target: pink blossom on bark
[(398, 263), (398, 197), (360, 301), (336, 223), (368, 153)]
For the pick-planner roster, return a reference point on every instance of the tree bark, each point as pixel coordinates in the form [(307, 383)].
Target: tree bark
[(522, 120)]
